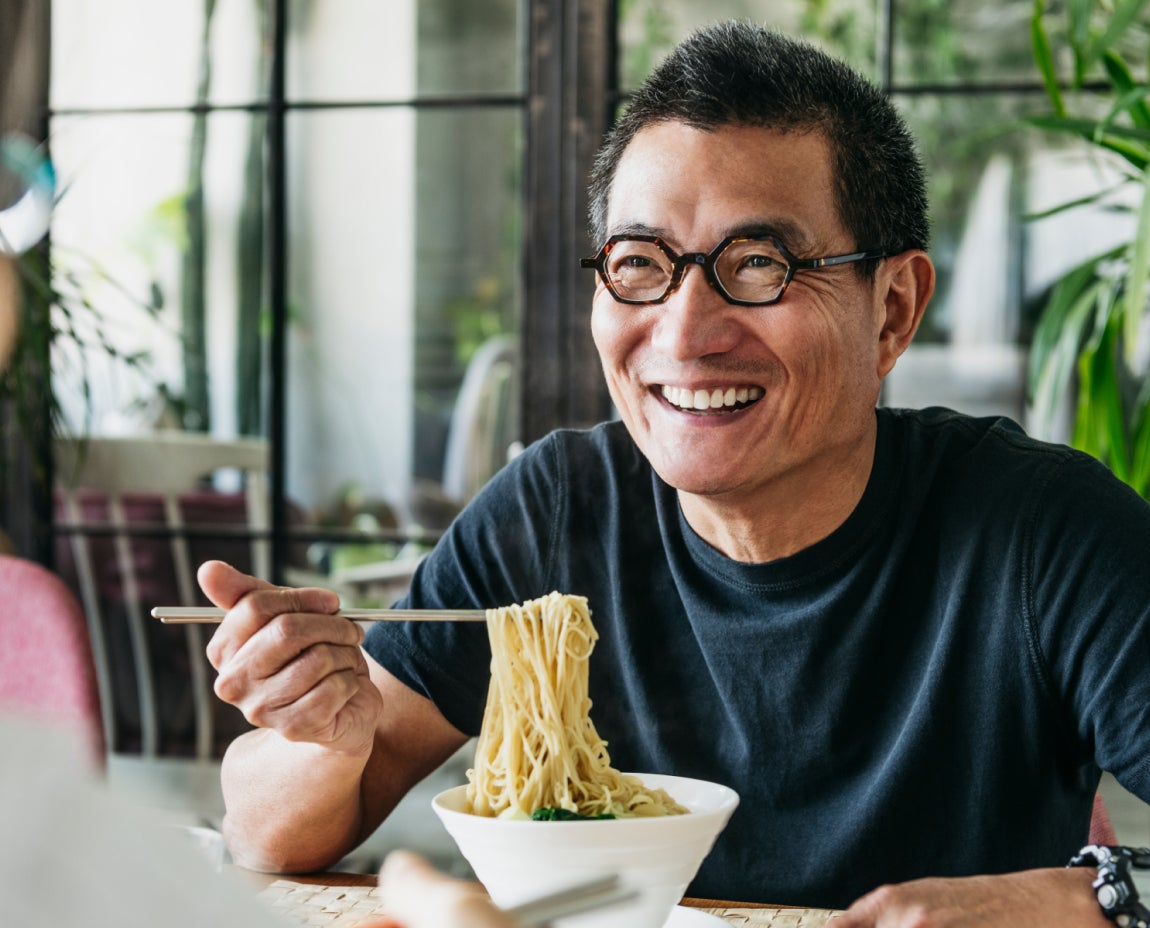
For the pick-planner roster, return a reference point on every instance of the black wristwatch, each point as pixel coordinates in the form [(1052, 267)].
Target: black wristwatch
[(1114, 886)]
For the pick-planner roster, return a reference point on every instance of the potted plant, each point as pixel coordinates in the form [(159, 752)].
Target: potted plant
[(1093, 334)]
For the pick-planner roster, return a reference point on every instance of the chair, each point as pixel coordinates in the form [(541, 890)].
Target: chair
[(482, 437), (1101, 827), (484, 422), (46, 665), (134, 518)]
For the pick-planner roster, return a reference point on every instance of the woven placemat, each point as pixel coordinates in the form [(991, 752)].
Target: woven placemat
[(318, 906)]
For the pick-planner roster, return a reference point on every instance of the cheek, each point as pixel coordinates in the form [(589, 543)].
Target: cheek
[(612, 330)]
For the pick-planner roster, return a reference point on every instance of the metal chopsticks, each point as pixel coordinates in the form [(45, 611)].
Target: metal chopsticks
[(203, 615)]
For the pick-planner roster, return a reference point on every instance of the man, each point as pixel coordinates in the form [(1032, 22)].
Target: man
[(909, 640)]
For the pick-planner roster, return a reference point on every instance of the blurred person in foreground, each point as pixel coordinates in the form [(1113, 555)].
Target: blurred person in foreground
[(909, 639), (72, 852)]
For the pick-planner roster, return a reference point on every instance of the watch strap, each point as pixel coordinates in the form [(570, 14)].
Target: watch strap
[(1114, 886)]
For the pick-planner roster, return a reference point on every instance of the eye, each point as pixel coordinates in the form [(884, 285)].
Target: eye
[(639, 261), (759, 262)]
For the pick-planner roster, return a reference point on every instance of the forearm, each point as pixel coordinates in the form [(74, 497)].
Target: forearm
[(1038, 898), (290, 806)]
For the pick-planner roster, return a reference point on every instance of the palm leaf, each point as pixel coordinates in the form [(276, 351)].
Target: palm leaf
[(1092, 199), (1078, 12), (1044, 58), (1058, 340), (1132, 97), (1135, 301), (1122, 140), (1119, 20)]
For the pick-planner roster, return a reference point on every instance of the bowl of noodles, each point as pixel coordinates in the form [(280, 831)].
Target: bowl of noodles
[(518, 859), (544, 809)]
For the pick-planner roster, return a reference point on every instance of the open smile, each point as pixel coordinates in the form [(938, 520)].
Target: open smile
[(718, 400)]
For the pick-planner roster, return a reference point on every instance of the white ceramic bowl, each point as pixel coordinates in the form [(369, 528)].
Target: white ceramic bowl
[(518, 860)]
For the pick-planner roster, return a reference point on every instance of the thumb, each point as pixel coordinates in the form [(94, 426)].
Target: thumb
[(225, 586)]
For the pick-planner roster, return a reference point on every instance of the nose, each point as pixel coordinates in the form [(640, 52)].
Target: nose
[(696, 320)]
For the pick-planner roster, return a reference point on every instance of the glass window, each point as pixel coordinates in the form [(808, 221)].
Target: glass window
[(962, 41), (956, 42), (648, 29), (136, 53), (987, 176), (150, 269), (366, 51), (398, 289), (403, 229)]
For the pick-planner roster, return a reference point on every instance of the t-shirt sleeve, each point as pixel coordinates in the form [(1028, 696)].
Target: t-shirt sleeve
[(498, 551), (1090, 608)]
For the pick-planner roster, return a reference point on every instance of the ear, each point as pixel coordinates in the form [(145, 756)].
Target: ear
[(905, 283)]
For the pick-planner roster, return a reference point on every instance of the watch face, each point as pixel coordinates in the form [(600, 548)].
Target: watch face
[(1108, 896)]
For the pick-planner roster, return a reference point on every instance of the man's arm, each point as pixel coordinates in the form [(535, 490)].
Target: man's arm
[(1037, 898), (339, 741)]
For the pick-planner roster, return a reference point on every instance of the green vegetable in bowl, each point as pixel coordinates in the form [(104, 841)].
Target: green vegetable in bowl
[(557, 814)]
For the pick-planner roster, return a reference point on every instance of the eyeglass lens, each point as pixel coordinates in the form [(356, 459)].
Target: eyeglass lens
[(747, 269)]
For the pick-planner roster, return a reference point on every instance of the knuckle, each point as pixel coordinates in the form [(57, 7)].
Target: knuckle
[(228, 688), (215, 651)]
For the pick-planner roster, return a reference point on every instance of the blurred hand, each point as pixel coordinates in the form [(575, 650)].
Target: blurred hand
[(416, 895), (288, 663), (1048, 897)]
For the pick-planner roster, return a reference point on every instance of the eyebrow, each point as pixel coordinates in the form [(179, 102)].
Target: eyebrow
[(785, 230)]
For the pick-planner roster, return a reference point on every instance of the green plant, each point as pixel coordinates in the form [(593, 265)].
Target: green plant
[(1093, 334)]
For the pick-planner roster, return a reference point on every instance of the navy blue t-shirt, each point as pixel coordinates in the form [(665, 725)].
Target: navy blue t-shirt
[(931, 690)]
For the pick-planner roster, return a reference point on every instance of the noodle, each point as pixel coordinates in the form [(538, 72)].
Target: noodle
[(538, 747)]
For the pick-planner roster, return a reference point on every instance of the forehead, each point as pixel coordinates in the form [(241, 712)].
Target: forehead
[(695, 186)]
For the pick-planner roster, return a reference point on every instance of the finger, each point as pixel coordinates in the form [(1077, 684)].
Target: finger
[(421, 897), (259, 694), (316, 715), (282, 640), (402, 865), (263, 603), (867, 911), (224, 585)]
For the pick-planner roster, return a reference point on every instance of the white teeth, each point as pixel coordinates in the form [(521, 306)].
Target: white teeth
[(713, 399)]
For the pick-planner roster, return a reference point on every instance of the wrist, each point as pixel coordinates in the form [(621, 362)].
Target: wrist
[(1113, 882)]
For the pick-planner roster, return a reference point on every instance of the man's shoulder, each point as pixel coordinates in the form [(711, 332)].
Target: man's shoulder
[(943, 431), (995, 458), (606, 448)]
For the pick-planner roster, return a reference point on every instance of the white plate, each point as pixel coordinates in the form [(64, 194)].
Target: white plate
[(683, 917)]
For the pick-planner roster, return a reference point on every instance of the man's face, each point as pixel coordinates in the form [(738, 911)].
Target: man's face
[(808, 365)]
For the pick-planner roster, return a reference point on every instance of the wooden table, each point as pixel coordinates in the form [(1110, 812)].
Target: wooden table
[(337, 907)]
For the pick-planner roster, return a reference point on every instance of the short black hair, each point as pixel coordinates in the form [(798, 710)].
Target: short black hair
[(739, 73)]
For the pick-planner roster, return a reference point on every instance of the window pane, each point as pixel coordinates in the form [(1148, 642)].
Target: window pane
[(971, 41), (947, 41), (361, 50), (994, 265), (132, 53), (400, 286), (124, 236), (648, 29)]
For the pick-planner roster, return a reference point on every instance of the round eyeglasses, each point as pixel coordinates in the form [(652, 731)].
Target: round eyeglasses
[(746, 270)]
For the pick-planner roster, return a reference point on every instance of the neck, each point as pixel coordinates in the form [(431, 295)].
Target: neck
[(791, 512)]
